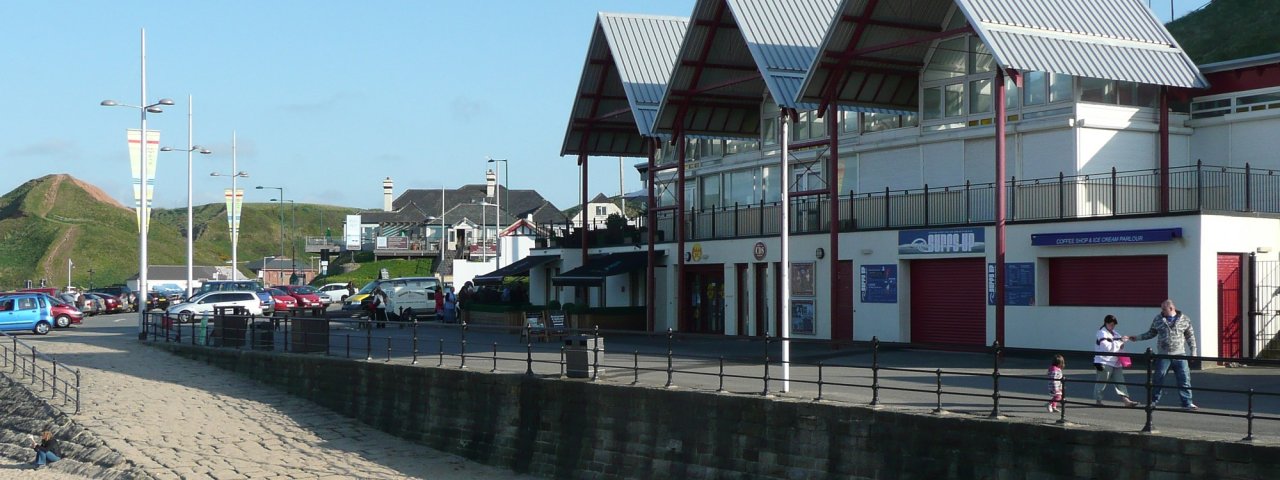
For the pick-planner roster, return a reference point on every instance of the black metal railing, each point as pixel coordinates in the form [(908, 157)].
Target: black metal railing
[(864, 375), (1194, 188), (40, 373)]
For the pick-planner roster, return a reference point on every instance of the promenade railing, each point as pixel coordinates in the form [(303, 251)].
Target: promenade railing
[(39, 373), (852, 372)]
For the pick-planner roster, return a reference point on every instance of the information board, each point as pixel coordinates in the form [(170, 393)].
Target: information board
[(1019, 284), (879, 283)]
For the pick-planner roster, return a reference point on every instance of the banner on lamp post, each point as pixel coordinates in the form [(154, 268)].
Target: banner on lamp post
[(134, 137), (234, 204)]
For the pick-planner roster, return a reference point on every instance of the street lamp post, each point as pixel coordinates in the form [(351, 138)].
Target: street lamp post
[(143, 208), (235, 222), (281, 189), (506, 179), (294, 227), (190, 223)]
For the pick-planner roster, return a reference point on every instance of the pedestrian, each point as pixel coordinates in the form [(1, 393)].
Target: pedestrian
[(1110, 367), (380, 306), (464, 299), (1174, 336), (351, 289), (44, 449), (439, 303), (450, 306), (1055, 382)]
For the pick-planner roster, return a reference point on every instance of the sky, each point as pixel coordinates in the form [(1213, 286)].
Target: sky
[(325, 99)]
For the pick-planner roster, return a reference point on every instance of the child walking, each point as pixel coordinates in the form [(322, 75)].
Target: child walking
[(1055, 382)]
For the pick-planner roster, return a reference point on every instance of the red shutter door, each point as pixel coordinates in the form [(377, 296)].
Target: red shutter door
[(1120, 281), (949, 301), (1230, 337)]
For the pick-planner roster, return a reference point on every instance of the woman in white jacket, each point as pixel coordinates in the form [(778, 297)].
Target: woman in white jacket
[(1110, 372)]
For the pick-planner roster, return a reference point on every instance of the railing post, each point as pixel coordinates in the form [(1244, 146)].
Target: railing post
[(1248, 188), (441, 363), (713, 221), (1013, 198), (528, 359), (819, 398), (1115, 194), (77, 391), (760, 217), (968, 214), (348, 345), (1062, 405), (1146, 428), (388, 350), (562, 361), (635, 367), (54, 381), (1062, 196), (926, 204), (766, 365), (938, 389), (368, 342), (1249, 418), (495, 358), (669, 369), (737, 212), (875, 371), (415, 342), (995, 380), (595, 354), (1199, 184), (463, 351), (886, 207)]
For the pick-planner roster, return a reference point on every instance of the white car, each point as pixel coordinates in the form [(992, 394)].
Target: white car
[(203, 304), (335, 292)]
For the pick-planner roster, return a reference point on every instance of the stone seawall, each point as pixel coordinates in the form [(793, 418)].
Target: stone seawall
[(577, 429), (83, 453)]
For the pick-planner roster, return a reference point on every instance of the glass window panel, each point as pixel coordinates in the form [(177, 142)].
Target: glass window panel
[(769, 186), (1060, 88), (953, 98), (717, 148), (1012, 96), (980, 99), (710, 191), (1146, 95), (980, 59), (1035, 89), (875, 122), (769, 129), (1245, 100), (817, 126), (800, 131), (932, 103), (1097, 90), (911, 120), (742, 188), (949, 60), (849, 122)]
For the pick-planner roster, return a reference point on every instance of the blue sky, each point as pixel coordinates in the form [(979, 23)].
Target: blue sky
[(326, 98)]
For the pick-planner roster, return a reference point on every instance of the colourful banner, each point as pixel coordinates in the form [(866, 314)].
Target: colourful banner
[(233, 212), (134, 137)]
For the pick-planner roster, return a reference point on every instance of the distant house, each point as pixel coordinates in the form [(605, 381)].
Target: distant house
[(597, 211), (280, 270), (177, 275)]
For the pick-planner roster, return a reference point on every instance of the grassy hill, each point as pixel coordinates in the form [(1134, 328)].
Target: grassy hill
[(1229, 30), (48, 220)]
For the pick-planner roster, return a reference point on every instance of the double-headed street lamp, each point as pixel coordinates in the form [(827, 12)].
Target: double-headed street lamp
[(234, 227), (506, 179), (190, 223), (281, 189), (143, 210), (294, 244)]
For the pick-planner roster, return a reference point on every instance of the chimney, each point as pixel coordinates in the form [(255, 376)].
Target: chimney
[(490, 183), (386, 194)]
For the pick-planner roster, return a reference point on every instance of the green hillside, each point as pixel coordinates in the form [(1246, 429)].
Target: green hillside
[(50, 219), (1229, 30)]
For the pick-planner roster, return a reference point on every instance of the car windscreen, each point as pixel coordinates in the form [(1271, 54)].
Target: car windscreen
[(304, 290), (276, 292), (368, 287)]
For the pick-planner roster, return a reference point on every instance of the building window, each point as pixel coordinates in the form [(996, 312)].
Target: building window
[(1117, 281), (710, 191), (769, 122), (601, 211)]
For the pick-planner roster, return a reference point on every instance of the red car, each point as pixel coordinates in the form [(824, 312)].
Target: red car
[(281, 300), (307, 296), (110, 304)]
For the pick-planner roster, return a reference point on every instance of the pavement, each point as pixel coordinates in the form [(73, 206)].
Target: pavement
[(177, 418)]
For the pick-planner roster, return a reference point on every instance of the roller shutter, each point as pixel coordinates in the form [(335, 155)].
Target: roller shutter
[(949, 301), (1119, 281)]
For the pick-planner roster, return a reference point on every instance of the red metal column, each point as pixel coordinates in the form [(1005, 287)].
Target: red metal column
[(652, 221), (1001, 201), (1164, 149), (680, 209), (833, 196)]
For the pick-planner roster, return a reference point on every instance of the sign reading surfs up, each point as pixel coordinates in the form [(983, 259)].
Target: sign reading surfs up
[(233, 212), (134, 137)]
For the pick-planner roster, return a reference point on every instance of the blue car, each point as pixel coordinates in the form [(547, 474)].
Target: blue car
[(30, 311)]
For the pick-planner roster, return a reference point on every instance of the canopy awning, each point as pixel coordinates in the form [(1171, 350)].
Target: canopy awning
[(518, 269), (600, 267)]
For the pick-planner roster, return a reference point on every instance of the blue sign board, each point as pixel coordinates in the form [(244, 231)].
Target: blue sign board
[(941, 241), (1106, 237), (1019, 284), (879, 283)]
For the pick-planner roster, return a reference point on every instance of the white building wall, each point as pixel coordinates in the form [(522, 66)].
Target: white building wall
[(465, 270), (1235, 139)]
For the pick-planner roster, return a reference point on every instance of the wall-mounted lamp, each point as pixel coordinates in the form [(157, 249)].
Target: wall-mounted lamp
[(1264, 249), (819, 253), (866, 251)]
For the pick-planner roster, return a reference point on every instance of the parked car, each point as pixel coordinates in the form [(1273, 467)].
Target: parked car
[(265, 299), (156, 301), (281, 300), (27, 311), (336, 292), (305, 294), (410, 297), (110, 304), (65, 314), (90, 305), (227, 286), (170, 290), (204, 303)]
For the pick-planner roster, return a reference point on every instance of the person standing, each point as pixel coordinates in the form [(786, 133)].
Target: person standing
[(450, 306), (44, 449), (1174, 336), (1109, 366), (1055, 382)]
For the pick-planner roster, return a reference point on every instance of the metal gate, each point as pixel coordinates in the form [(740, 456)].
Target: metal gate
[(1264, 308)]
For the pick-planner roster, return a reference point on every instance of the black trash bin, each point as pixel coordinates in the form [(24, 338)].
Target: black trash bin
[(580, 353), (264, 336)]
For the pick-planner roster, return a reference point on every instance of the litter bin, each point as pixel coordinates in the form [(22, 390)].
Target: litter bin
[(264, 336), (580, 355)]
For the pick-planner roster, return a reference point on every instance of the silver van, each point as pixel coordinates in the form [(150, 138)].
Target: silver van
[(410, 297)]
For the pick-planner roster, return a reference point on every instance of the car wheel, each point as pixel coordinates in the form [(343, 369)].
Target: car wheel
[(62, 321), (42, 328), (186, 316)]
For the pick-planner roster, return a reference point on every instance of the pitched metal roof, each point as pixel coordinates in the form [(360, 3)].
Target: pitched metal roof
[(628, 62), (874, 51), (734, 53)]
